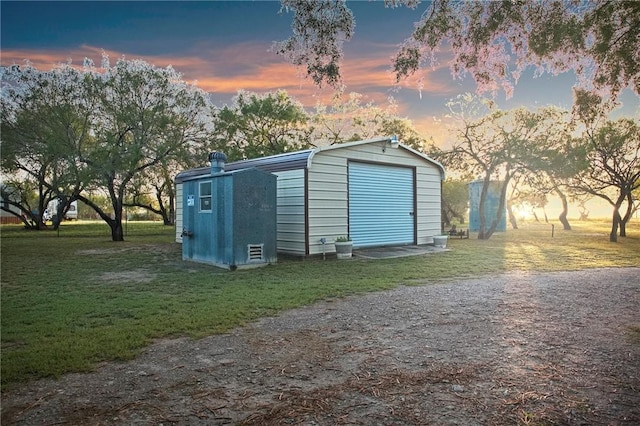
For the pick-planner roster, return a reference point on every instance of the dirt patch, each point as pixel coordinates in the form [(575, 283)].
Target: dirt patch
[(137, 276), (142, 248), (519, 348), (99, 252)]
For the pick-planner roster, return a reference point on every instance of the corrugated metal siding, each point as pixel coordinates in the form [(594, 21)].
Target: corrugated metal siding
[(328, 211), (381, 208), (428, 204), (179, 222), (291, 212), (428, 201), (327, 200)]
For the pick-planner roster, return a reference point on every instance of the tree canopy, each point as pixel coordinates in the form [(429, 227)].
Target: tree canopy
[(349, 118), (45, 125), (146, 114), (500, 146), (612, 170), (320, 28), (257, 125), (99, 128), (124, 131), (494, 41)]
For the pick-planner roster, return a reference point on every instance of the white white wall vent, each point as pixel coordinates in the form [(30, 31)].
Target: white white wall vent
[(255, 252)]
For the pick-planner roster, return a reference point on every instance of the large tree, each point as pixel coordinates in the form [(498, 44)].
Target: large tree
[(496, 147), (404, 130), (612, 150), (154, 192), (551, 159), (154, 189), (613, 172), (494, 41), (256, 125), (45, 125), (145, 116), (349, 118)]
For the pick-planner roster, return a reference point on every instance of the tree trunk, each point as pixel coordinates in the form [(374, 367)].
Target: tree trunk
[(115, 223), (166, 220), (165, 212), (617, 219), (446, 221), (172, 209), (613, 236), (627, 216), (56, 221), (117, 232), (512, 217), (564, 221), (485, 233), (40, 223), (482, 232), (565, 210)]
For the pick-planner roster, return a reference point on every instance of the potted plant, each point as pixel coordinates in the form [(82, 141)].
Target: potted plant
[(344, 247), (440, 241)]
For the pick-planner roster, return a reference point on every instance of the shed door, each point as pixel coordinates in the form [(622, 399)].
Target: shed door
[(381, 205)]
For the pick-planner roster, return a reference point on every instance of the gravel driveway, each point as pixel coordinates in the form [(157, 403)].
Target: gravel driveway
[(518, 348)]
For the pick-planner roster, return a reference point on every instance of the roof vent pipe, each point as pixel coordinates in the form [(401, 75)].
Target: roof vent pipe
[(217, 160)]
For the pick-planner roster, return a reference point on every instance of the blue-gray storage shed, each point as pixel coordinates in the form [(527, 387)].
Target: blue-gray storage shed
[(229, 217), (491, 204)]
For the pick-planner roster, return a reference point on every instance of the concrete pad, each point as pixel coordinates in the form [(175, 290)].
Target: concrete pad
[(398, 251)]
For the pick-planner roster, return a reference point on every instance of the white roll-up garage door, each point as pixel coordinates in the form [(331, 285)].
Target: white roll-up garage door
[(381, 205)]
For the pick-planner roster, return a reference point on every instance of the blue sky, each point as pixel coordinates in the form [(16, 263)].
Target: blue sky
[(224, 45)]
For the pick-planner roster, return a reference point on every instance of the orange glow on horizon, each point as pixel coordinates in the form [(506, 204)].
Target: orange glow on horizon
[(222, 71)]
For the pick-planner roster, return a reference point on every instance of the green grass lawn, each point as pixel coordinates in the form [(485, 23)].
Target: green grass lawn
[(73, 298)]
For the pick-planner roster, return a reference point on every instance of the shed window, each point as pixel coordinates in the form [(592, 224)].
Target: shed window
[(205, 196)]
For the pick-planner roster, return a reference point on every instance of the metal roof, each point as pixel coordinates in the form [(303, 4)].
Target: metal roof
[(295, 160), (273, 163), (192, 173)]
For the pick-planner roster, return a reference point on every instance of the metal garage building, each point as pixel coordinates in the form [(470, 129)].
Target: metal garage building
[(378, 191)]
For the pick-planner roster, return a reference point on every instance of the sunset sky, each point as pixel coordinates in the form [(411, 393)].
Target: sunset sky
[(225, 46)]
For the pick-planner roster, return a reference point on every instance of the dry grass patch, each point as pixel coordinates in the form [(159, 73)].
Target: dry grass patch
[(633, 333), (137, 276)]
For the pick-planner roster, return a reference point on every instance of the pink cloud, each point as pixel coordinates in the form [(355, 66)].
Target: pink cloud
[(224, 70), (249, 66)]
